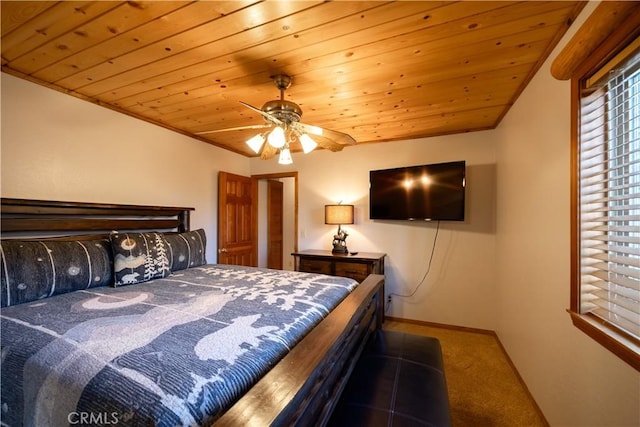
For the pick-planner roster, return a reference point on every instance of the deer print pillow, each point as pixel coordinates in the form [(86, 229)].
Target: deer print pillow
[(139, 257)]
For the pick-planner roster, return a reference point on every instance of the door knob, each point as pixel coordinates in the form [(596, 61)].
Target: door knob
[(222, 251)]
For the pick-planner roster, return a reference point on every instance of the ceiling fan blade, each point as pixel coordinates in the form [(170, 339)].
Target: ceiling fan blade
[(268, 151), (233, 129), (334, 135), (328, 144), (267, 116)]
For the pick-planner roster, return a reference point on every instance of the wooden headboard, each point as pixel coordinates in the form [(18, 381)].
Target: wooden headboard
[(21, 216)]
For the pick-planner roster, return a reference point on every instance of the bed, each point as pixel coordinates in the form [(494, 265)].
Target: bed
[(153, 335)]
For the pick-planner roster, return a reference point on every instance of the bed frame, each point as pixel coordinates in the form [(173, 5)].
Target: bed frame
[(303, 388)]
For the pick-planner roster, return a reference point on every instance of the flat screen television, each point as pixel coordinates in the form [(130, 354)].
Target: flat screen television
[(432, 192)]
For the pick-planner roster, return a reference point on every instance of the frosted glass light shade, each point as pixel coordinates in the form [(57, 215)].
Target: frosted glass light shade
[(276, 137), (255, 143), (285, 157), (308, 144)]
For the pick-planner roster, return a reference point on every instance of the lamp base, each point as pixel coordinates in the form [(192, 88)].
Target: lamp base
[(339, 242), (339, 250)]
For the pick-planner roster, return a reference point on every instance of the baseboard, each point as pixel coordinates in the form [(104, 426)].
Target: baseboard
[(478, 331), (441, 325)]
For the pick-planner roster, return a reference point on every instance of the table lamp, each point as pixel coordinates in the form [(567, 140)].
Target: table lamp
[(339, 215)]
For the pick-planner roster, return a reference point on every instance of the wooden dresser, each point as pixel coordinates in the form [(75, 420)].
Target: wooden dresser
[(357, 266)]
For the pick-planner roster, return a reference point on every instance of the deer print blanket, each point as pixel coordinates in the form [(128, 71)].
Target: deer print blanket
[(173, 351)]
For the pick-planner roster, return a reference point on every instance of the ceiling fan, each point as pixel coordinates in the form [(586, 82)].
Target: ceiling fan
[(283, 126)]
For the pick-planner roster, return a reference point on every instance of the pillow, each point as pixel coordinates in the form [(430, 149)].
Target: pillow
[(35, 269), (187, 249), (139, 257)]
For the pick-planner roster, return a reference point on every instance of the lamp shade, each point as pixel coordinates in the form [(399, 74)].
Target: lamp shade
[(285, 157), (256, 142), (308, 144), (338, 214), (277, 138)]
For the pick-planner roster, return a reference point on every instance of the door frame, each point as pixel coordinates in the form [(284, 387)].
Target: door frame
[(293, 175)]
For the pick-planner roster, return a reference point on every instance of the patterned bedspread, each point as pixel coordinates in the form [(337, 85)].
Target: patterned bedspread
[(174, 351)]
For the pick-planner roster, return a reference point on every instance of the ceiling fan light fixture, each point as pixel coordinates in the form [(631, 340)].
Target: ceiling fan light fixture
[(308, 144), (285, 157), (277, 138), (255, 142), (282, 117)]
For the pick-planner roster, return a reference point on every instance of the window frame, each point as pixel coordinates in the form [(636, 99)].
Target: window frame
[(621, 344)]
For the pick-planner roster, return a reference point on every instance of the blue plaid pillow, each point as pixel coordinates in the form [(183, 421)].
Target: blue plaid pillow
[(187, 249)]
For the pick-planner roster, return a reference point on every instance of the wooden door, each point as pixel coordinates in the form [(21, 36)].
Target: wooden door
[(237, 220), (275, 223)]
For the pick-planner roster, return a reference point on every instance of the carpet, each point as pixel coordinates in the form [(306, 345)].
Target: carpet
[(484, 388)]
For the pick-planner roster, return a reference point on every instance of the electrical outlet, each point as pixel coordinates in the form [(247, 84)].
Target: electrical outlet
[(389, 299)]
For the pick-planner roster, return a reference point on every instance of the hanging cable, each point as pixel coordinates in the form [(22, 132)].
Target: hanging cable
[(424, 277)]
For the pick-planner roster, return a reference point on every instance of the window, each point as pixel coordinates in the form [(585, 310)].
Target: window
[(606, 206)]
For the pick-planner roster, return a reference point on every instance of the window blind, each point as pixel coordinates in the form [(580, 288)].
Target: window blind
[(609, 194)]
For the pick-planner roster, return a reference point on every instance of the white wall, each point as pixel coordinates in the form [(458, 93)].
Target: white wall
[(575, 381), (460, 287), (263, 236), (57, 147)]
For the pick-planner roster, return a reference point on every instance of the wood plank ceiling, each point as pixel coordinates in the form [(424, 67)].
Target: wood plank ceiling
[(379, 71)]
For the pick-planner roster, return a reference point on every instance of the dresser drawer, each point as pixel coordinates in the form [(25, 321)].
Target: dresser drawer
[(315, 266), (353, 270)]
